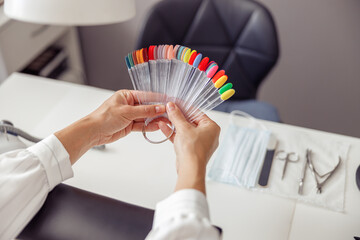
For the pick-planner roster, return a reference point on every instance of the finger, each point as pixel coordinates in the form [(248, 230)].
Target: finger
[(136, 96), (139, 120), (163, 119), (142, 111), (155, 120), (201, 119), (130, 96), (151, 127), (176, 116), (166, 130)]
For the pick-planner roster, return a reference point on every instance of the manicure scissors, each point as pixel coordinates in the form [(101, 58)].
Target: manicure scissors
[(287, 157)]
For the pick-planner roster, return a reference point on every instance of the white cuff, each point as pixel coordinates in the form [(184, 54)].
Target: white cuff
[(54, 158), (187, 201)]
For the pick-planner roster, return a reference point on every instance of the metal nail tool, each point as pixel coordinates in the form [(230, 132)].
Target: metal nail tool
[(287, 157), (316, 174)]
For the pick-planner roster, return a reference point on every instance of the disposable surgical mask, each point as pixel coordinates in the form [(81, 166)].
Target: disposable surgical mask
[(241, 153)]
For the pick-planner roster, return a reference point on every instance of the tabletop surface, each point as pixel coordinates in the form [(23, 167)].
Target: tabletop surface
[(135, 171)]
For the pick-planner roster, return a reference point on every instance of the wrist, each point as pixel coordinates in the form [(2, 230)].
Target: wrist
[(191, 167), (90, 127), (191, 174), (79, 137)]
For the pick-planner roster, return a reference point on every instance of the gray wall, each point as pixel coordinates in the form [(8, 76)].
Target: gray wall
[(104, 49), (315, 84), (317, 81)]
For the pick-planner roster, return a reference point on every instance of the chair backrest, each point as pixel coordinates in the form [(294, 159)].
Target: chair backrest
[(240, 35)]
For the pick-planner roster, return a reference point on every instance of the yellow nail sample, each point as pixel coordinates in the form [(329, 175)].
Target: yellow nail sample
[(226, 95), (187, 56), (220, 81)]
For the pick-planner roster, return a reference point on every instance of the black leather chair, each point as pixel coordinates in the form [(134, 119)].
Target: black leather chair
[(240, 35)]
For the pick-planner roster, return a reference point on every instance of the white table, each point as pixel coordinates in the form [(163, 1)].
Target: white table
[(134, 171)]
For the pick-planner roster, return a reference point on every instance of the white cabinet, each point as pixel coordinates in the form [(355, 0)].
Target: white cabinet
[(21, 43)]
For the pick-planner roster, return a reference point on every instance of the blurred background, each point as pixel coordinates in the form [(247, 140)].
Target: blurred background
[(316, 81), (315, 84)]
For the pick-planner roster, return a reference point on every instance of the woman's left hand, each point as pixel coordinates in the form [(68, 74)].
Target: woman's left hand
[(114, 119), (121, 114)]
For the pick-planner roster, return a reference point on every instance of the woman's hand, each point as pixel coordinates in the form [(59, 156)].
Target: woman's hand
[(119, 115), (194, 145), (114, 119)]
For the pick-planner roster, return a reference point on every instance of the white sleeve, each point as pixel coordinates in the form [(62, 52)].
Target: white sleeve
[(183, 215), (26, 177)]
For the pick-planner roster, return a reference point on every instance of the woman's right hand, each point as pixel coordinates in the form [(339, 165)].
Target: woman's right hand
[(194, 144)]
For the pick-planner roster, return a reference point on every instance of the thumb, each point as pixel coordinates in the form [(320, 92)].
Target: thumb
[(175, 115), (142, 111)]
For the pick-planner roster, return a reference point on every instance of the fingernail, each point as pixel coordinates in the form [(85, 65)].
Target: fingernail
[(160, 109), (170, 106)]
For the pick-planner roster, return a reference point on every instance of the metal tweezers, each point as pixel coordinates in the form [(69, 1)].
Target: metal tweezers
[(327, 175)]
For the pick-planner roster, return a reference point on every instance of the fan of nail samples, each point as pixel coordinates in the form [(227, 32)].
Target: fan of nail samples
[(167, 73)]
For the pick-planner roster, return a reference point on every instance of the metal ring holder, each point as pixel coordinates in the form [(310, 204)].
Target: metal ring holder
[(157, 142)]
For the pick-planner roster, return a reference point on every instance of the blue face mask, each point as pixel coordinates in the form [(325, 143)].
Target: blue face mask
[(241, 154)]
